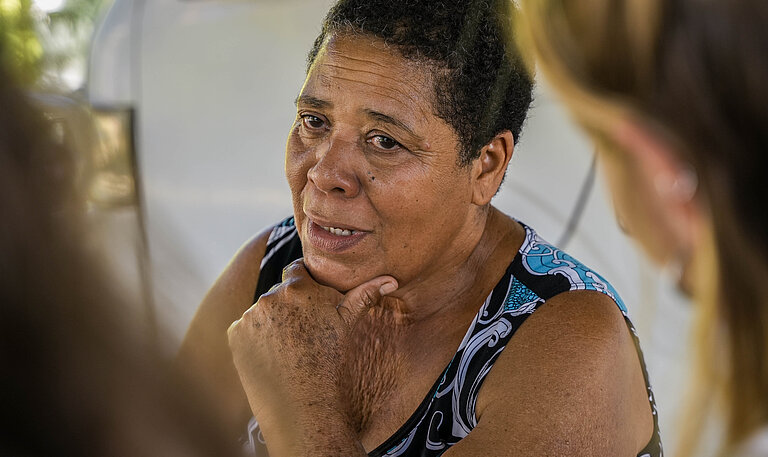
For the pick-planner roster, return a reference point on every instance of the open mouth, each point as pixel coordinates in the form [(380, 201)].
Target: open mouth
[(339, 231), (333, 239)]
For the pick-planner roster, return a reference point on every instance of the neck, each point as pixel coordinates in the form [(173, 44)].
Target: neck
[(384, 343), (465, 278)]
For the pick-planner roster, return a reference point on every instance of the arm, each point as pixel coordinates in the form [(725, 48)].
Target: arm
[(569, 383), (289, 350), (581, 391), (204, 353)]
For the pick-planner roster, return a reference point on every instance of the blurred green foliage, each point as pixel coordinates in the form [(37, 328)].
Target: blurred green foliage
[(20, 49), (68, 34), (32, 39), (77, 13)]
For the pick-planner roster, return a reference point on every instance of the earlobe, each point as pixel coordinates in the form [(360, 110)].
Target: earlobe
[(489, 168)]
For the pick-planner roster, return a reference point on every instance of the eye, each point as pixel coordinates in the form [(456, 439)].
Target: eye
[(312, 122), (384, 142)]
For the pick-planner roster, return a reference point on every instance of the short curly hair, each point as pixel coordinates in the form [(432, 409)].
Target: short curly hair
[(482, 87)]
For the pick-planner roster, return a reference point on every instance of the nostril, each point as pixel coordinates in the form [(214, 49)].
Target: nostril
[(334, 172)]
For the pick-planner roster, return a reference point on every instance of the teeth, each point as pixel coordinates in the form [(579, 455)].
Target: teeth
[(338, 231)]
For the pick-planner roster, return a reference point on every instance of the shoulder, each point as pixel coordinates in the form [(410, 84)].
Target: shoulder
[(252, 254), (238, 281), (549, 271), (578, 330), (247, 260), (573, 375)]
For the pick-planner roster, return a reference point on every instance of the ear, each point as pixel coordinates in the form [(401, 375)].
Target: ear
[(489, 168), (671, 186), (673, 180)]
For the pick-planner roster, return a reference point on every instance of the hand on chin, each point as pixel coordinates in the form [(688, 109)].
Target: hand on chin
[(289, 346)]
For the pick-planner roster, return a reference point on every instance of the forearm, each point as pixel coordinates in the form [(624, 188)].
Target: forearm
[(324, 433), (205, 357)]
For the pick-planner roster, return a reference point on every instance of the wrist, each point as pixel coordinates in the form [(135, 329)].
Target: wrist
[(317, 427)]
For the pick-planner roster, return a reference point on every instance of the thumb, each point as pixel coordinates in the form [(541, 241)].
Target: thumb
[(366, 295)]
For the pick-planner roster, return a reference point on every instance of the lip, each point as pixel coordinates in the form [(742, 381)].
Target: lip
[(329, 242), (328, 223)]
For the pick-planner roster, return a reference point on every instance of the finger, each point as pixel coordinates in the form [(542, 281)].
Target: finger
[(295, 270), (232, 331), (366, 295)]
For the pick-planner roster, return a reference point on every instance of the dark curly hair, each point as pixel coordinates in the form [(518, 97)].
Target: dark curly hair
[(481, 85)]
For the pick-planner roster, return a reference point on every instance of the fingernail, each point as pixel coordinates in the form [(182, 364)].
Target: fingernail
[(387, 288)]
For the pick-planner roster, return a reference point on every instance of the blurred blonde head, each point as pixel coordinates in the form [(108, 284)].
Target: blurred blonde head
[(674, 94)]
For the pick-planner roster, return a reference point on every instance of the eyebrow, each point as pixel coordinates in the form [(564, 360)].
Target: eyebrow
[(312, 102), (381, 117)]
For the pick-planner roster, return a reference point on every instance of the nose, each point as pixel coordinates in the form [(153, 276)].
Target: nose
[(333, 172)]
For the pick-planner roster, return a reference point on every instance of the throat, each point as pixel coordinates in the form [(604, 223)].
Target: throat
[(462, 284)]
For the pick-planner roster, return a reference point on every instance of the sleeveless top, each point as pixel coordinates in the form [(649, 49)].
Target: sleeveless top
[(538, 272)]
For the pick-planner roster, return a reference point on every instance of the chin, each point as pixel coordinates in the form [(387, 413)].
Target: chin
[(332, 274)]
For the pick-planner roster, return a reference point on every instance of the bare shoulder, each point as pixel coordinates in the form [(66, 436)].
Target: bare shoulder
[(573, 340), (244, 267), (569, 382), (233, 291), (586, 319), (204, 353)]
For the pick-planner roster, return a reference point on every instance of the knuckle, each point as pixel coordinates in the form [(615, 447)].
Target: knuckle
[(293, 268), (369, 297), (249, 313), (232, 330), (266, 303)]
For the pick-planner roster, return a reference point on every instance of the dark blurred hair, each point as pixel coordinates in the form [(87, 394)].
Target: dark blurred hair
[(78, 379), (697, 71), (481, 87)]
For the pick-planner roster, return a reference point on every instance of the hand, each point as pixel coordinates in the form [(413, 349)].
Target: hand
[(288, 348)]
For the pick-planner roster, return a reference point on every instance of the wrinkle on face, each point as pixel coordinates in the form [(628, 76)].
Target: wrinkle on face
[(396, 87), (362, 89), (406, 99)]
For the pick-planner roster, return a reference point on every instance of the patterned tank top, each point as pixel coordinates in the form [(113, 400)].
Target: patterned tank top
[(538, 272)]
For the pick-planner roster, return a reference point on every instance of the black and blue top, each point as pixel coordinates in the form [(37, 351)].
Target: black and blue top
[(538, 272)]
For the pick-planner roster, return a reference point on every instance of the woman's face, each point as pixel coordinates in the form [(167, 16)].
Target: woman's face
[(642, 209), (376, 185)]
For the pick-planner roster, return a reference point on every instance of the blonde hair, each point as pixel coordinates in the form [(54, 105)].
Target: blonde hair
[(694, 71)]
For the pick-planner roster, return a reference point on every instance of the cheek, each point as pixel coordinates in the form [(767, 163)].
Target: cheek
[(638, 209), (297, 163), (416, 202)]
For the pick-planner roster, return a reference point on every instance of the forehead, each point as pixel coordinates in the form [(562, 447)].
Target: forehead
[(363, 71)]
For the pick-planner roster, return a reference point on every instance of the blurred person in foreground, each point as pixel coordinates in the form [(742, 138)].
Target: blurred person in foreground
[(78, 379), (398, 312), (675, 95)]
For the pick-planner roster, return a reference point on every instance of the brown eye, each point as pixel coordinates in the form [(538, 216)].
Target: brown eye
[(312, 122), (384, 142)]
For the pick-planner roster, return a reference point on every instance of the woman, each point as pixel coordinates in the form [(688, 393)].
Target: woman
[(77, 378), (674, 94), (395, 258)]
